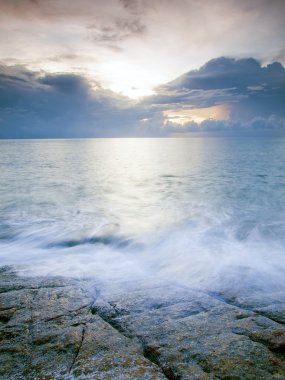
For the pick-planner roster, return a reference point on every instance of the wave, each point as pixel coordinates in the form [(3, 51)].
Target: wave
[(212, 256), (115, 241)]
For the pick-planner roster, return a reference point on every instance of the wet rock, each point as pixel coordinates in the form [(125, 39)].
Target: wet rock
[(56, 328), (48, 331), (194, 335)]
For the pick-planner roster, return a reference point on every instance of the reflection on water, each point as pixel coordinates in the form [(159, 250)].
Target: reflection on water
[(189, 208)]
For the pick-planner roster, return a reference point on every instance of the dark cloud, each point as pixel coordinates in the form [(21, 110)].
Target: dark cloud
[(41, 105), (224, 73), (66, 83), (256, 126), (248, 88), (38, 105)]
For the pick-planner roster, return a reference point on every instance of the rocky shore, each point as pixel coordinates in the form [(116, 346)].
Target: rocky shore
[(58, 328)]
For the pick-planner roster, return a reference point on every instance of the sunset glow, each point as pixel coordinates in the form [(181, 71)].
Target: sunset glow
[(126, 68), (197, 115), (142, 189)]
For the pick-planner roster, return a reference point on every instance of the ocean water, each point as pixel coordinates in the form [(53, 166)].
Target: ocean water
[(201, 212)]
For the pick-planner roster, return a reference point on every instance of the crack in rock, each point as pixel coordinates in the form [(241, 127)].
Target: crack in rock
[(77, 351)]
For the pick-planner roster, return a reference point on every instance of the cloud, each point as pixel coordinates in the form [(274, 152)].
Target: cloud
[(249, 89), (66, 83), (257, 126), (112, 21), (134, 6), (119, 30), (44, 105), (39, 105), (164, 37)]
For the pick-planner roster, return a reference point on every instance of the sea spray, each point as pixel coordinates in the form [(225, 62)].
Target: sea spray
[(203, 213)]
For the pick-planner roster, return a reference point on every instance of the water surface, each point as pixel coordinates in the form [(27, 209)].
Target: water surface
[(200, 211)]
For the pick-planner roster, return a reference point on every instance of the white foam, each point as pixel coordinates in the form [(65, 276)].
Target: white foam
[(208, 256)]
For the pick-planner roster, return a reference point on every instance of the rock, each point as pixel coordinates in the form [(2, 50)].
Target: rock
[(58, 328), (48, 331), (194, 335)]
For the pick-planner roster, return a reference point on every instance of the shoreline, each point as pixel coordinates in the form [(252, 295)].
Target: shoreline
[(55, 328)]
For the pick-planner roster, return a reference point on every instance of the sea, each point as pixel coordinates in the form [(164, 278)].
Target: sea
[(202, 212)]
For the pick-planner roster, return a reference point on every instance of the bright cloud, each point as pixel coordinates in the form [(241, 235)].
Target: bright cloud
[(131, 46), (197, 115), (225, 95)]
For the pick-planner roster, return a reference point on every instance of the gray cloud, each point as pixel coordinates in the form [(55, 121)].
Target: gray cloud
[(41, 105), (163, 37), (63, 57), (110, 22), (119, 30), (248, 88), (258, 126), (136, 7)]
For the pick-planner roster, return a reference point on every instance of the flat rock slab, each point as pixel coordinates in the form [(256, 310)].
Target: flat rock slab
[(48, 331), (58, 328)]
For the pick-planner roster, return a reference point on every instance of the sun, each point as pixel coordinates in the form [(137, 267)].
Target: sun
[(129, 79)]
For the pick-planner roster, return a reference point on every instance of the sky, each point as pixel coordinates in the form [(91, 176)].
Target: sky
[(118, 68)]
